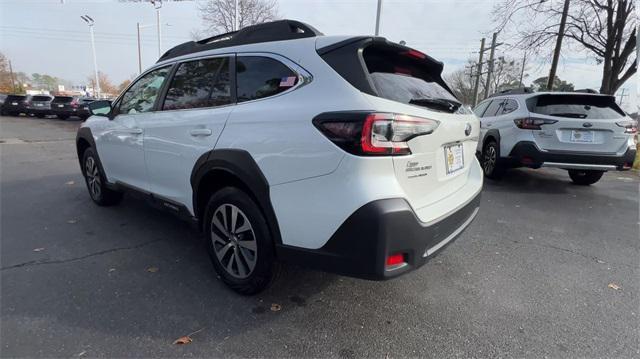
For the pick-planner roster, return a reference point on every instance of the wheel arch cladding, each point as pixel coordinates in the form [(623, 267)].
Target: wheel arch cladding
[(84, 140), (492, 134), (231, 167)]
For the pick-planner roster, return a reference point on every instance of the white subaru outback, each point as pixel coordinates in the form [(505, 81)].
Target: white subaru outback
[(584, 133), (345, 154)]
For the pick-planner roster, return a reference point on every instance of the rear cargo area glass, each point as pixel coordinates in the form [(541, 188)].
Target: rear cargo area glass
[(576, 106)]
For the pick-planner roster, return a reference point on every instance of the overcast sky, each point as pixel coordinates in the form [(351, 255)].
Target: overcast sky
[(46, 36)]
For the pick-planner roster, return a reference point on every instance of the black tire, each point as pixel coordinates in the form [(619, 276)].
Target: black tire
[(489, 160), (63, 117), (40, 115), (231, 247), (585, 177), (96, 182)]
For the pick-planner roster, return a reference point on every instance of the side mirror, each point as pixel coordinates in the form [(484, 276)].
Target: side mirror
[(100, 108)]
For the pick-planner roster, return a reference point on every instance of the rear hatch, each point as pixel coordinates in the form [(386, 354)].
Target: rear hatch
[(40, 102), (578, 123), (14, 101), (62, 103), (404, 81)]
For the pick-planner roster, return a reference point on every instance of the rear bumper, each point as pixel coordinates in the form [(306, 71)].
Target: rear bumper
[(69, 112), (38, 111), (360, 246), (528, 154)]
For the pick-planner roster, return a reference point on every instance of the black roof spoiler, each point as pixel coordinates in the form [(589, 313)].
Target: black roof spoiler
[(516, 91), (265, 32)]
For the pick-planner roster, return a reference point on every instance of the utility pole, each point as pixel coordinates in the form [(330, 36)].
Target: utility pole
[(13, 83), (378, 17), (478, 74), (490, 70), (524, 61), (556, 52), (90, 22), (139, 50)]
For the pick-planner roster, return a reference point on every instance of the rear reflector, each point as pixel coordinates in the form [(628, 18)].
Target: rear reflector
[(373, 134), (395, 260)]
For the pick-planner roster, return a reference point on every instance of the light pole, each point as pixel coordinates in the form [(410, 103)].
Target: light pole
[(236, 22), (90, 22), (378, 17), (158, 4)]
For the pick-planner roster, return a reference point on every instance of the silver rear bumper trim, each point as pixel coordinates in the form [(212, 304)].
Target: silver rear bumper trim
[(579, 166), (453, 235)]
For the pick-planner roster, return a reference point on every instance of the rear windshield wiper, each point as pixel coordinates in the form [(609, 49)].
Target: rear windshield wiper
[(569, 114), (441, 104)]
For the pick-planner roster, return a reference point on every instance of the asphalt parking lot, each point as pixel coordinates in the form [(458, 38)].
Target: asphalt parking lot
[(529, 278)]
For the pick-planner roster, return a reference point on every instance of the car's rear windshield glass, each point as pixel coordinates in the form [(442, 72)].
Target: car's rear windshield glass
[(576, 106), (62, 99), (399, 77), (40, 98), (15, 98)]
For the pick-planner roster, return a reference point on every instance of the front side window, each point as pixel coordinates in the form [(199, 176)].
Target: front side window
[(259, 77), (201, 83), (479, 110), (141, 96)]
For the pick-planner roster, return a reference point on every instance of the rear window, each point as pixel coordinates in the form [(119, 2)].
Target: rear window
[(408, 77), (62, 99), (15, 98), (576, 106), (40, 98)]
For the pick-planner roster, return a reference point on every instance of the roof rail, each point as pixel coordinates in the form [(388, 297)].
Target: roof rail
[(265, 32), (587, 91), (515, 91)]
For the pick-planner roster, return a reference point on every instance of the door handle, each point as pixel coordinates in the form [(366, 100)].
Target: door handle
[(135, 131), (201, 132)]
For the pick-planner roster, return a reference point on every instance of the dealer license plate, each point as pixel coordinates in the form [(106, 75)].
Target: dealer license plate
[(454, 158), (581, 136)]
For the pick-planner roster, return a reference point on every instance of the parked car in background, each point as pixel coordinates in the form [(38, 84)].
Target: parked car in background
[(39, 105), (584, 133), (15, 104), (2, 98), (362, 162), (67, 106)]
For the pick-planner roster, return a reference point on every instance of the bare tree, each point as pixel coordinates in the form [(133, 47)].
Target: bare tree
[(106, 85), (604, 28), (218, 16), (461, 82)]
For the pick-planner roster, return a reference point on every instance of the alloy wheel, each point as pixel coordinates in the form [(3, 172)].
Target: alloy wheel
[(489, 160), (234, 241), (93, 178)]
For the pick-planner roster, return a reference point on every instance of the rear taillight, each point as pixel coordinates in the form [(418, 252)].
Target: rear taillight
[(630, 126), (395, 261), (373, 134), (532, 123)]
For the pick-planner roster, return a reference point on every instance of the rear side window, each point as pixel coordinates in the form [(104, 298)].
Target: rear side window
[(259, 77), (576, 106), (494, 108), (509, 106), (202, 83)]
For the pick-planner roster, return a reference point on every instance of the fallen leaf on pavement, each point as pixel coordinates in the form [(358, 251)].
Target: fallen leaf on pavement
[(112, 269), (70, 183), (614, 286), (275, 307), (152, 269), (38, 249), (72, 221), (183, 340)]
